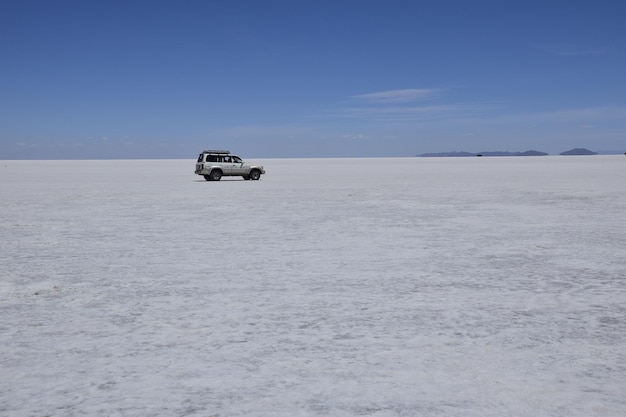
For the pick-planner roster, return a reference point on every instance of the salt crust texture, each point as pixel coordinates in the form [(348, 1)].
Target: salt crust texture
[(341, 287)]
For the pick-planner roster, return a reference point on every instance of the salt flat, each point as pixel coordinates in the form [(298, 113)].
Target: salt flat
[(341, 287)]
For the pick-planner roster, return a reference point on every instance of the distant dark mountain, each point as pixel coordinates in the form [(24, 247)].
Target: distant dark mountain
[(533, 153), (578, 151), (498, 153), (485, 153), (507, 153)]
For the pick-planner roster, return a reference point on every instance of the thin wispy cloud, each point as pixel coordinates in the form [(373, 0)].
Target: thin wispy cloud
[(262, 131), (358, 112), (399, 96), (355, 136), (415, 113), (404, 106), (26, 145), (579, 117), (590, 113)]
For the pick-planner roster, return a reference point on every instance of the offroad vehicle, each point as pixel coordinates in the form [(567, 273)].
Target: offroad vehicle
[(215, 164)]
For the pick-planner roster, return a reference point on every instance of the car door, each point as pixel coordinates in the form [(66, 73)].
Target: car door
[(237, 166), (226, 164)]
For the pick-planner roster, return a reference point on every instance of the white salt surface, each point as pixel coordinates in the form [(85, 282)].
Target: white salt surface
[(341, 287)]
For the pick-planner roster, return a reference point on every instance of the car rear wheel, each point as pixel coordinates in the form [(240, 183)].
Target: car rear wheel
[(215, 175), (255, 174)]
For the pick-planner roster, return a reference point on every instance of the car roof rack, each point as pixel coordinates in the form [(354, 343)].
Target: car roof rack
[(216, 151)]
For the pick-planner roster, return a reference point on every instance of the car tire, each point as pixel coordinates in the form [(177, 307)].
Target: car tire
[(255, 174), (207, 177), (215, 175)]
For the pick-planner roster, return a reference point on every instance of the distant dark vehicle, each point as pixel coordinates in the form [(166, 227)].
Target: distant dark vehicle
[(214, 164)]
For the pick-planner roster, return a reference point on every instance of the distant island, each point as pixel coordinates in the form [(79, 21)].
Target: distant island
[(578, 151), (575, 151), (504, 153), (485, 153)]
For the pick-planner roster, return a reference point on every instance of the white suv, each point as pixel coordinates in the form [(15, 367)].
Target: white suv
[(213, 165)]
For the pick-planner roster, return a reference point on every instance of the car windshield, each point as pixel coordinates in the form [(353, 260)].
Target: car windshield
[(200, 157)]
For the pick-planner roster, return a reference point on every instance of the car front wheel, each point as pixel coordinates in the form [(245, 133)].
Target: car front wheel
[(255, 174)]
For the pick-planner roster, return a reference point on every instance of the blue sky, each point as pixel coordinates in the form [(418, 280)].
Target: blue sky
[(166, 79)]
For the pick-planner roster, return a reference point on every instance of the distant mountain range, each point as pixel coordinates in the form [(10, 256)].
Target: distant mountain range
[(575, 151), (578, 151), (485, 153)]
